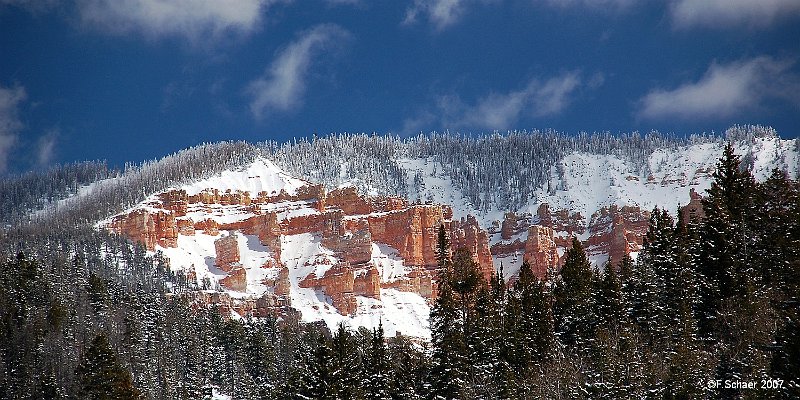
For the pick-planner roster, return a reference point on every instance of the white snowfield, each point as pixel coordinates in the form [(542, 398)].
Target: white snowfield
[(585, 184)]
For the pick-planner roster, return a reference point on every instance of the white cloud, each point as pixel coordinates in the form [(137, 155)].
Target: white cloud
[(442, 13), (501, 110), (724, 13), (195, 20), (283, 84), (10, 124), (45, 148), (725, 90)]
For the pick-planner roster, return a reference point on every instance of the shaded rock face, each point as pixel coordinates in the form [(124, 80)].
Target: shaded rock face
[(351, 242), (282, 285), (511, 226), (541, 251)]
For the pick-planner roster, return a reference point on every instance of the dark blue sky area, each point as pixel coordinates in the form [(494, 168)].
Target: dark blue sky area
[(125, 80)]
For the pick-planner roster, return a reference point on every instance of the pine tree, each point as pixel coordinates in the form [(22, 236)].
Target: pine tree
[(449, 358), (409, 369), (101, 375), (346, 366), (609, 298), (454, 321), (533, 320), (725, 255), (573, 310), (376, 367)]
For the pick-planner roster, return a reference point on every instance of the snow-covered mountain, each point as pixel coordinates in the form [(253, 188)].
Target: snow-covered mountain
[(282, 230)]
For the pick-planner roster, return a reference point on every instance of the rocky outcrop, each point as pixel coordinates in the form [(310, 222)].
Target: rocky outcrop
[(348, 200), (693, 210), (541, 251), (282, 285), (347, 223), (266, 305), (236, 279), (367, 283), (342, 283), (418, 280), (337, 284), (565, 224), (351, 202), (266, 227), (467, 234), (227, 251), (512, 224), (149, 228), (350, 241), (412, 232), (617, 231)]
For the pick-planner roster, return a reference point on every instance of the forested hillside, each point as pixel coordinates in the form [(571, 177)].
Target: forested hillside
[(711, 300)]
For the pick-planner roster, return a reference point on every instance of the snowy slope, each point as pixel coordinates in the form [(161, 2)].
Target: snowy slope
[(583, 182), (261, 175)]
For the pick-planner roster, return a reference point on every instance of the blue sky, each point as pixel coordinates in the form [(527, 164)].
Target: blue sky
[(127, 81)]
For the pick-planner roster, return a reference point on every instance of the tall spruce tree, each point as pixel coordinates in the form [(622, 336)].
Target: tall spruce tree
[(534, 321), (573, 310), (449, 357), (726, 251), (101, 375), (376, 367)]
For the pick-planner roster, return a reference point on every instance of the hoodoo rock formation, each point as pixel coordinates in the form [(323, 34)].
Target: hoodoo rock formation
[(541, 252), (467, 234), (227, 252), (348, 225), (617, 231)]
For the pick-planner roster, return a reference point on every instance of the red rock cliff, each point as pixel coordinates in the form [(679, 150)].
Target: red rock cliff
[(541, 251)]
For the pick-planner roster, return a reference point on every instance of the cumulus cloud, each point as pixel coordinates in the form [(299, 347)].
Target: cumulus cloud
[(725, 90), (501, 110), (723, 13), (441, 13), (10, 124), (283, 84), (192, 19)]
